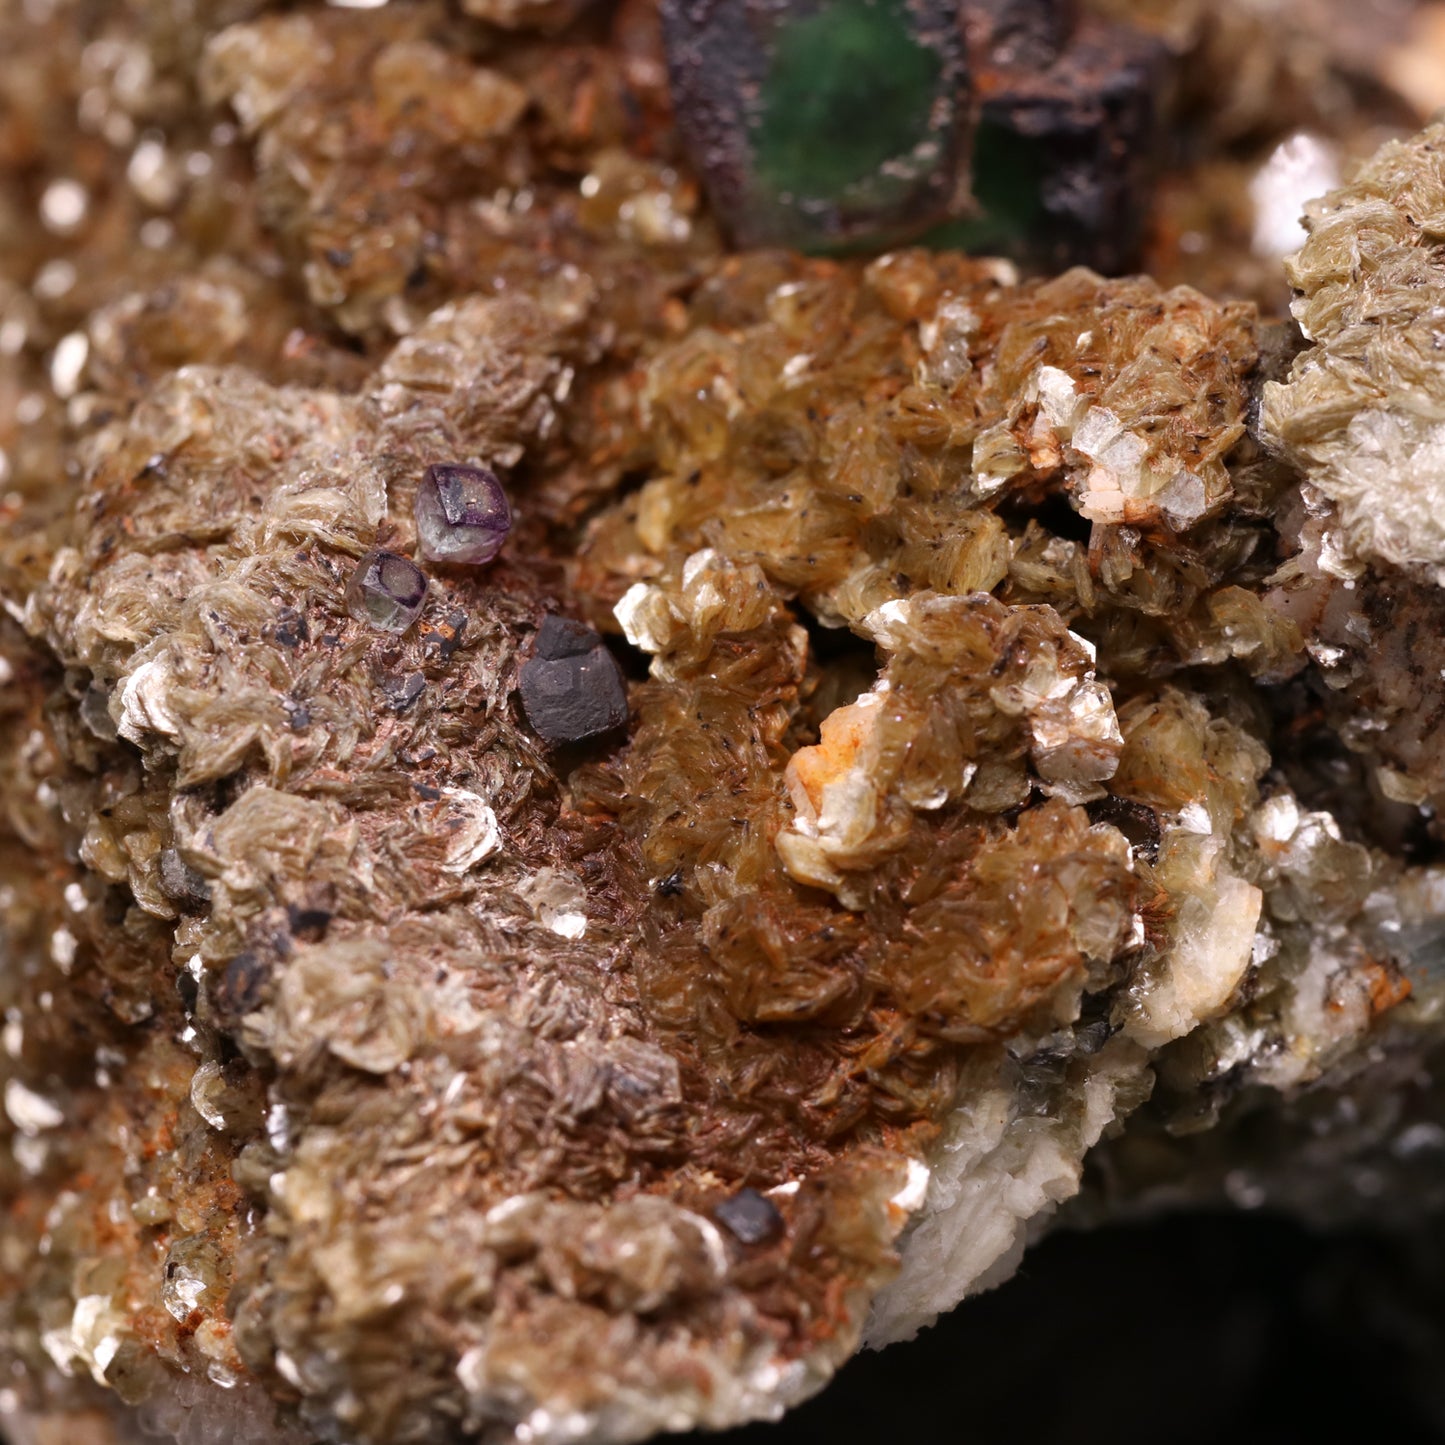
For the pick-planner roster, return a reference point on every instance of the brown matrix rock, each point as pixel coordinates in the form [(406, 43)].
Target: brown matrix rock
[(1003, 753)]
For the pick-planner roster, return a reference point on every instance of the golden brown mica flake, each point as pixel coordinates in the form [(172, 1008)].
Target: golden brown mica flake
[(1015, 732)]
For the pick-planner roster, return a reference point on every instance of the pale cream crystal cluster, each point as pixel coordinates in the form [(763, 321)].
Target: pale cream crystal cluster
[(1363, 411)]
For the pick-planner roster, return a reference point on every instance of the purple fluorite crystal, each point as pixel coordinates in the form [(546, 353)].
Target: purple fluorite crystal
[(386, 590), (461, 514)]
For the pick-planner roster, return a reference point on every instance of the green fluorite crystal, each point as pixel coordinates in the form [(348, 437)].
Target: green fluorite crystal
[(846, 107), (827, 124)]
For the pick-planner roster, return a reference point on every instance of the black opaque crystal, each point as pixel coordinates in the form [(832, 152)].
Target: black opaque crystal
[(572, 687), (749, 1217)]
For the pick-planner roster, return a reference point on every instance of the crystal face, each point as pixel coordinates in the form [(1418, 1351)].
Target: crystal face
[(823, 123), (848, 90), (572, 687), (750, 1217), (387, 591), (461, 514)]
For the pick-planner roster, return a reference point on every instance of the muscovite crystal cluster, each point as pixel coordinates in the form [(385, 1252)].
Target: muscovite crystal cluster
[(928, 723)]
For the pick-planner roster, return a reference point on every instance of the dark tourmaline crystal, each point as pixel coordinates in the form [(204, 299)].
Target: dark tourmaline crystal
[(387, 591), (572, 687), (461, 514)]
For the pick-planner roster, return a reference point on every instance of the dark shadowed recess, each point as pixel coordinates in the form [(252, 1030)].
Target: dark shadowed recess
[(1201, 1330), (1198, 1330)]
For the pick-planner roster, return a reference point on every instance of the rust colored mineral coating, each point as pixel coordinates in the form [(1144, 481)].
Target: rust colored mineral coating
[(461, 514), (1030, 758)]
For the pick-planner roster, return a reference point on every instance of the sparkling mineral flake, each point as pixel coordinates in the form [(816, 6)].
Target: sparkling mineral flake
[(461, 514), (68, 363), (63, 206)]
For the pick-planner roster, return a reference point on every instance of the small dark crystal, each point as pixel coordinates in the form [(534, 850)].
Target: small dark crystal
[(387, 591), (749, 1217), (440, 637), (291, 628), (242, 988), (572, 687), (461, 514), (308, 922), (188, 990), (560, 637), (182, 884), (401, 692)]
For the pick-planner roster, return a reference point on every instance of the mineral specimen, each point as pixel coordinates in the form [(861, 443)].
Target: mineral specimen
[(823, 122), (461, 514), (571, 686), (386, 590), (835, 124), (1009, 707)]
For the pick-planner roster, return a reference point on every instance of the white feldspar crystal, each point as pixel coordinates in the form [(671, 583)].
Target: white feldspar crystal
[(646, 620), (207, 1087), (1328, 1004), (1058, 397), (1212, 947), (30, 1112), (90, 1341), (472, 830), (1077, 740), (945, 338), (998, 1172), (559, 901), (1298, 169), (182, 1291)]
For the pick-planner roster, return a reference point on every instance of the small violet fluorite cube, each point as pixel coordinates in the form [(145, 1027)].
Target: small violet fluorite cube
[(461, 514)]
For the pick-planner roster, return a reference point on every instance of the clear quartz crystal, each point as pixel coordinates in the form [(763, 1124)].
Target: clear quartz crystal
[(387, 591), (461, 514)]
